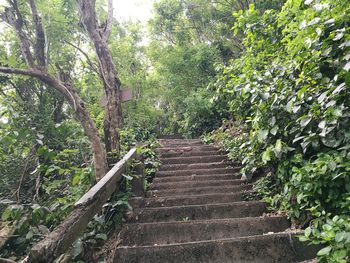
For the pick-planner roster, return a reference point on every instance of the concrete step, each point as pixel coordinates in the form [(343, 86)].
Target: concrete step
[(146, 234), (198, 212), (189, 154), (195, 148), (272, 248), (190, 172), (188, 166), (195, 184), (194, 159), (182, 200), (215, 177), (184, 142), (199, 190)]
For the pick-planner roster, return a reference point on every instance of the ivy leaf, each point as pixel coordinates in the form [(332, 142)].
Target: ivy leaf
[(305, 121), (322, 97), (308, 2), (330, 21), (339, 88), (77, 248), (296, 108), (278, 148), (327, 52), (266, 156), (338, 36), (290, 106), (322, 125), (263, 135), (347, 66), (274, 130)]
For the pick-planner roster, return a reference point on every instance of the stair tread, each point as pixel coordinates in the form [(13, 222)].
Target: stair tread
[(195, 177), (199, 190), (246, 203), (277, 247), (191, 184), (287, 234)]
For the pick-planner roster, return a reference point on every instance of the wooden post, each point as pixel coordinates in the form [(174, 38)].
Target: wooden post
[(138, 183)]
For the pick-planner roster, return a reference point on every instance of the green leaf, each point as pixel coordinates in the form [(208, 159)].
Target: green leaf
[(262, 135), (307, 232), (340, 237), (322, 97), (340, 254), (305, 121), (278, 148), (128, 177), (77, 248), (29, 235), (347, 66), (266, 156), (322, 125), (6, 215), (347, 79), (324, 251), (274, 130), (101, 236)]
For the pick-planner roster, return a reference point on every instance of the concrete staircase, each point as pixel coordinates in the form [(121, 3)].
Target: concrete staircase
[(194, 212)]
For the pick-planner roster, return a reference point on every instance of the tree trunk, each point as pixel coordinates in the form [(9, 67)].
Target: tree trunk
[(99, 36)]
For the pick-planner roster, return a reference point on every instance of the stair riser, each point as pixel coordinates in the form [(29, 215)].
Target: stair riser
[(178, 144), (189, 154), (198, 172), (198, 191), (187, 200), (217, 211), (192, 160), (181, 232), (196, 178), (260, 249), (175, 167), (179, 140), (191, 184), (199, 148)]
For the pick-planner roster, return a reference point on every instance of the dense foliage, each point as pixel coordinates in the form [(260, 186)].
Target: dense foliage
[(290, 91)]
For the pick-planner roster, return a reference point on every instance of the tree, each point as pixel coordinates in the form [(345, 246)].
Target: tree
[(37, 67), (99, 35)]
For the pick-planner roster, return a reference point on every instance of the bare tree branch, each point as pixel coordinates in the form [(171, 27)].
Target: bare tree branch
[(44, 77), (39, 34), (93, 65), (26, 72), (13, 17), (109, 21), (25, 168)]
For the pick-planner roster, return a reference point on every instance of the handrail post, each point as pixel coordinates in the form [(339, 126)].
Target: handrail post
[(138, 183)]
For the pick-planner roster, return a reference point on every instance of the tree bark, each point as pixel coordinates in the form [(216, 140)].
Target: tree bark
[(99, 36)]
